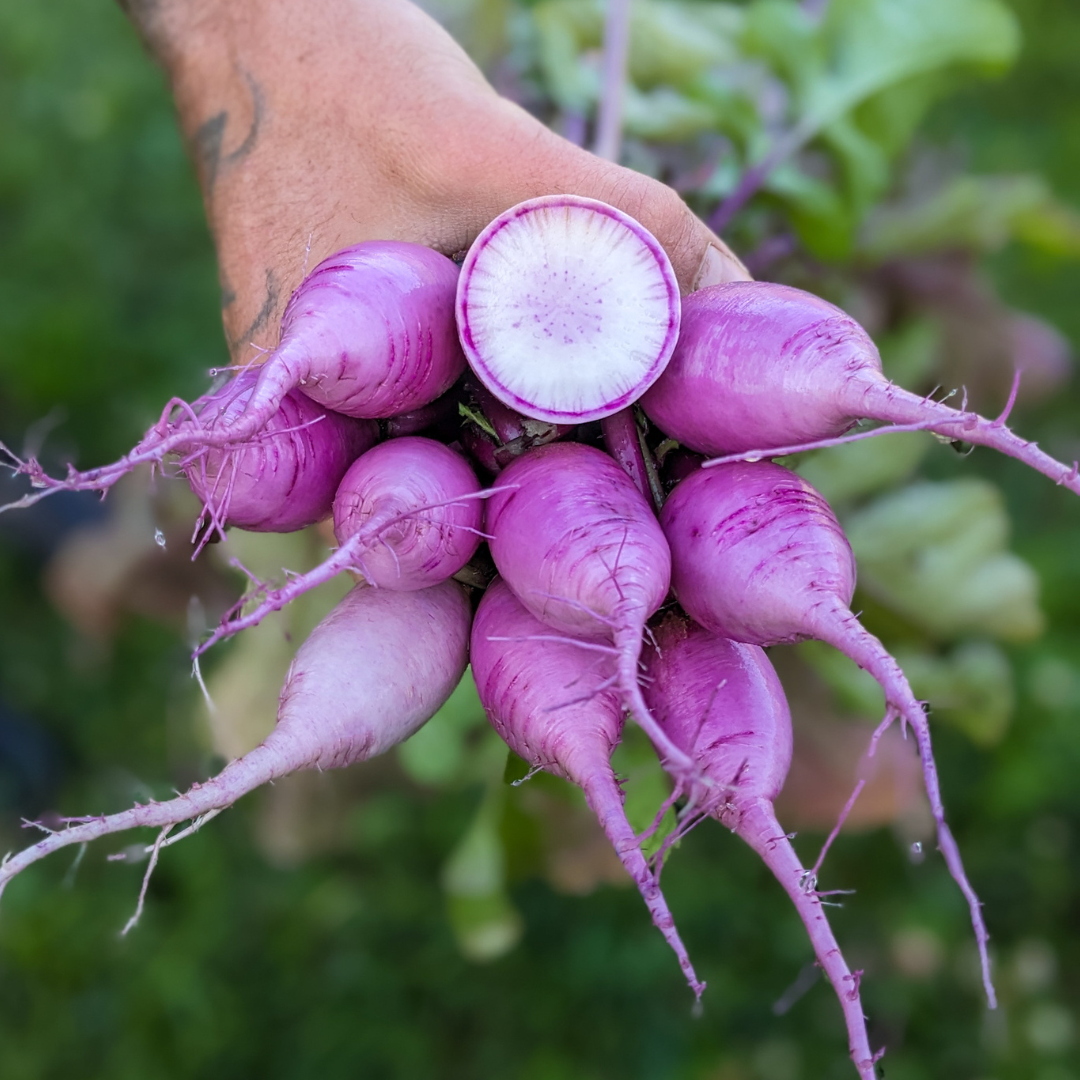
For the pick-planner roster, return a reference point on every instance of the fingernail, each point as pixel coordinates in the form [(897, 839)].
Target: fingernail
[(717, 267)]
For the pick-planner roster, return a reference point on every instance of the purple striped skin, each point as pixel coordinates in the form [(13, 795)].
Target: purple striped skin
[(759, 557), (402, 477), (423, 483), (522, 682), (722, 703), (369, 333), (754, 549), (764, 369), (581, 549), (285, 478), (475, 353), (370, 674)]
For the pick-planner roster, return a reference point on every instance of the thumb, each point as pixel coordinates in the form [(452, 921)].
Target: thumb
[(698, 256)]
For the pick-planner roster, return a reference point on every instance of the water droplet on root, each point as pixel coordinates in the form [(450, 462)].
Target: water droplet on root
[(159, 539)]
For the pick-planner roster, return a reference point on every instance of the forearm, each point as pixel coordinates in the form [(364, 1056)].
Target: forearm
[(316, 124)]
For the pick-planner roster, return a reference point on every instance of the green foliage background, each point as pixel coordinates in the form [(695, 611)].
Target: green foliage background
[(347, 966)]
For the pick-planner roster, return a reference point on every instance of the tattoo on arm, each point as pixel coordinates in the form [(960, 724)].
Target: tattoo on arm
[(262, 319), (210, 136)]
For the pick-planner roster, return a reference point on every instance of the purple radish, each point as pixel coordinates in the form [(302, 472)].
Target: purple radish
[(568, 309), (285, 478), (764, 370), (554, 705), (759, 557), (407, 516), (369, 333), (722, 702), (582, 550), (371, 673), (623, 442)]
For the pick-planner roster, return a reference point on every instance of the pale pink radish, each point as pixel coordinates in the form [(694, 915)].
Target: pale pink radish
[(759, 557), (580, 547), (556, 706), (721, 702), (568, 308), (369, 333), (407, 516), (371, 673), (763, 370)]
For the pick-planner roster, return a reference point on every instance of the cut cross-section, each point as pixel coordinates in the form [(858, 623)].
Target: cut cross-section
[(568, 309)]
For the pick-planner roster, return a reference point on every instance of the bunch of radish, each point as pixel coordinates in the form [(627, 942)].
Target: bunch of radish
[(430, 409)]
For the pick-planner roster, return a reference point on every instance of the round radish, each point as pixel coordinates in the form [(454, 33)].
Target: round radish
[(722, 703), (371, 673), (568, 309), (765, 370), (582, 550), (369, 333), (759, 557), (286, 477), (557, 709), (407, 516)]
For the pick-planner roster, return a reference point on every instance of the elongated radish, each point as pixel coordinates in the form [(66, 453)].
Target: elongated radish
[(369, 333), (721, 702), (285, 478), (375, 669), (581, 549), (407, 516), (556, 707), (568, 308), (759, 557), (765, 369)]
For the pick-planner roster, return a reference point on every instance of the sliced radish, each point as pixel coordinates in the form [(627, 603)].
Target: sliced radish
[(568, 309)]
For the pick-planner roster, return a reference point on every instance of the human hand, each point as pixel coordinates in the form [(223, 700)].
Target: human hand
[(315, 126)]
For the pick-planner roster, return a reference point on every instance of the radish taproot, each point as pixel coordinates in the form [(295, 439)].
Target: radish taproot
[(557, 708), (371, 673), (722, 702), (581, 549), (407, 516), (759, 557), (764, 370), (568, 308), (369, 333)]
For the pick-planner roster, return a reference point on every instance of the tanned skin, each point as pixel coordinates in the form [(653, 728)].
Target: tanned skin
[(316, 124)]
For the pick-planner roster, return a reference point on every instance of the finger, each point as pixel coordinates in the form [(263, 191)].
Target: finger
[(698, 255)]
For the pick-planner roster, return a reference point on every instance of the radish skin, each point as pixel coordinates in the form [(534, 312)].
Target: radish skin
[(284, 479), (568, 308), (369, 333), (371, 673), (580, 547), (722, 702), (764, 369), (407, 516), (556, 708), (759, 557)]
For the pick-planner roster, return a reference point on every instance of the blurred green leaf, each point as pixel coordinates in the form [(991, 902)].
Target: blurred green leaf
[(935, 552), (975, 213), (875, 44), (972, 687), (854, 470), (486, 924)]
